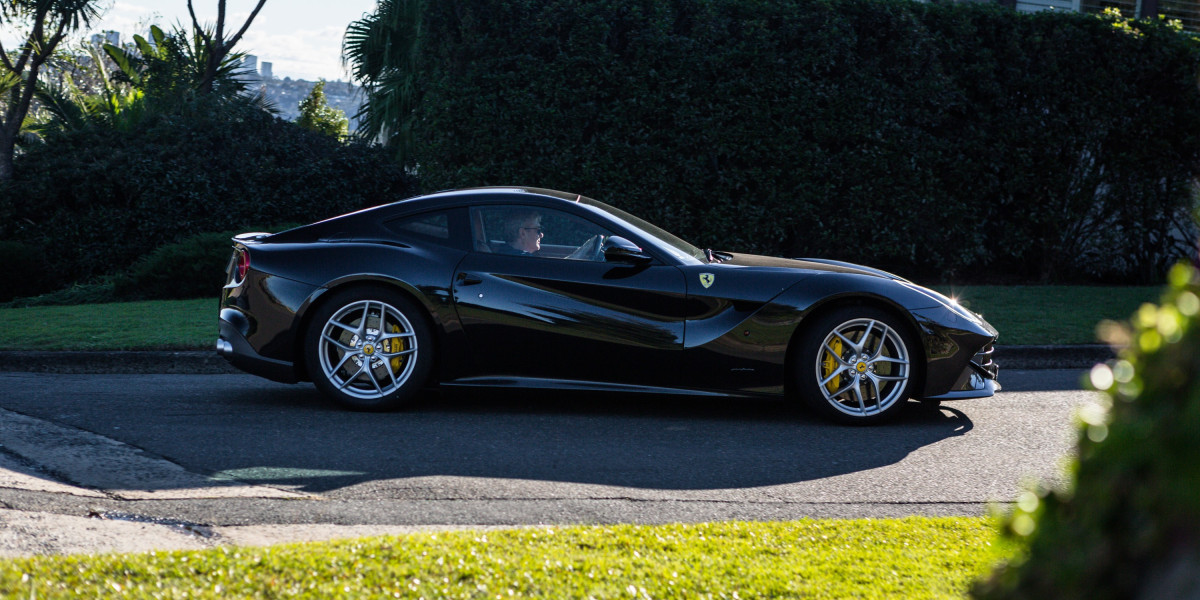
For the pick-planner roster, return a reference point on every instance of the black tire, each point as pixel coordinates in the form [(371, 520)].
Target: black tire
[(365, 366), (871, 377)]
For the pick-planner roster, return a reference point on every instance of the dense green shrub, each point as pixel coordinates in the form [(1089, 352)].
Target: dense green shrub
[(190, 268), (933, 139), (1129, 527), (96, 200), (98, 291), (22, 270)]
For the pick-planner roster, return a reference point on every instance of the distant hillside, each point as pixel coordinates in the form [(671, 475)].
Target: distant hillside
[(287, 93)]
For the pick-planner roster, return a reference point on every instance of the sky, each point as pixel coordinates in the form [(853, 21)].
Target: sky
[(302, 38)]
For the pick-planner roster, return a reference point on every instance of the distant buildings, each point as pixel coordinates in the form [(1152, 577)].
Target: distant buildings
[(287, 93), (250, 66), (106, 37)]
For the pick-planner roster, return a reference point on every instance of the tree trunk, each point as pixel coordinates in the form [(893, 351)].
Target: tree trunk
[(7, 147)]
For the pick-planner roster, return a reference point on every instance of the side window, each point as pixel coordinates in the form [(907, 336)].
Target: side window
[(535, 231), (431, 225)]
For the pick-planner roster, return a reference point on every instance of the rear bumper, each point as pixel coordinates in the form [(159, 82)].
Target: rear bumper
[(233, 347)]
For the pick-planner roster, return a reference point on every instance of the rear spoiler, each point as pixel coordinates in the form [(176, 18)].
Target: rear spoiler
[(250, 237)]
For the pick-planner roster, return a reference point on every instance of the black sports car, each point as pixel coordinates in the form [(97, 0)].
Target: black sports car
[(525, 287)]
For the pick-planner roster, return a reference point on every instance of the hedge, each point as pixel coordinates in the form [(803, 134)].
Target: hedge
[(937, 140), (90, 203)]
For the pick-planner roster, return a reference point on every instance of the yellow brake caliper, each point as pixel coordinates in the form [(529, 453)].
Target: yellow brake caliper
[(394, 345), (830, 364)]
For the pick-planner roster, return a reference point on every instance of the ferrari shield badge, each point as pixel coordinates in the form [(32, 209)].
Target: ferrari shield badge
[(707, 279)]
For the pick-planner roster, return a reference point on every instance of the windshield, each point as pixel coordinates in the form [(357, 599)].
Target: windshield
[(667, 241)]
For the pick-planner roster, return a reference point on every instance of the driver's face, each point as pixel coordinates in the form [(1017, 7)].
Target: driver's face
[(530, 237)]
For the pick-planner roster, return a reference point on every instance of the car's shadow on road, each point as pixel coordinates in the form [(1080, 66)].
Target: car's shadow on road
[(639, 441)]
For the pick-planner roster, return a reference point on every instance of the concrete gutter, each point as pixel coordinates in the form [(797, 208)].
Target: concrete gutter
[(195, 362), (1052, 357), (203, 362)]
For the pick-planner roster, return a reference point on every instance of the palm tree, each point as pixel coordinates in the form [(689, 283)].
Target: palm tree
[(158, 76), (49, 21), (64, 105), (382, 50), (171, 68), (216, 47)]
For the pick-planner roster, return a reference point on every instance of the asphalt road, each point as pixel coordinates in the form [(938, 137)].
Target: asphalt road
[(220, 450)]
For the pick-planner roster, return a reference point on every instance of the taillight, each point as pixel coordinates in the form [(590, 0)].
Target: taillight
[(243, 264)]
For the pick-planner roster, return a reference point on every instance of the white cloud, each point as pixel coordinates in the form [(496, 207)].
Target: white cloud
[(304, 54)]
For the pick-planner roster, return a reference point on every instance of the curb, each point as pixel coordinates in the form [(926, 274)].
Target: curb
[(1051, 357), (136, 362), (207, 362)]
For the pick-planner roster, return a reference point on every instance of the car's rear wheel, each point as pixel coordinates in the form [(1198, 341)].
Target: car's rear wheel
[(369, 349), (856, 365)]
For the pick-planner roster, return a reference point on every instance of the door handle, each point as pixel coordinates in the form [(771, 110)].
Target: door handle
[(468, 279)]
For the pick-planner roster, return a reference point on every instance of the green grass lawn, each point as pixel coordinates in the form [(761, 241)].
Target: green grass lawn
[(1023, 314), (915, 557), (167, 324), (1051, 314)]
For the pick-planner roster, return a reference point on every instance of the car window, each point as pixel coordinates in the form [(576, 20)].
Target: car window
[(534, 231), (678, 248), (432, 225)]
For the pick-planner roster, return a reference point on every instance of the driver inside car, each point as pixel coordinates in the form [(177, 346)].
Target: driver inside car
[(522, 233)]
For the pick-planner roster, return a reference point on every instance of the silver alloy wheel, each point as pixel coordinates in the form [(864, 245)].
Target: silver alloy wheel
[(367, 349), (863, 367)]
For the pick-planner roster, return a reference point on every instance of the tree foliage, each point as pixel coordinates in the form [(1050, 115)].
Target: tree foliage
[(383, 49), (130, 85), (48, 23), (172, 68), (936, 140), (216, 47), (317, 115), (90, 202)]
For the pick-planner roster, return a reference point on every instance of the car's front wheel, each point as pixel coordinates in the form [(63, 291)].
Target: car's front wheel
[(856, 365), (369, 349)]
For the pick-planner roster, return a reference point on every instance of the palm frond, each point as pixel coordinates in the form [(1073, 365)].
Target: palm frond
[(129, 65), (382, 51), (62, 108)]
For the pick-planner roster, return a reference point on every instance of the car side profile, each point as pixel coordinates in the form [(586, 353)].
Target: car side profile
[(534, 288)]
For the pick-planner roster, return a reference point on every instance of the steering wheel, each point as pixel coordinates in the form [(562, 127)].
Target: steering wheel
[(589, 250)]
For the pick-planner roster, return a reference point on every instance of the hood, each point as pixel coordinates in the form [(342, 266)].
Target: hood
[(807, 265)]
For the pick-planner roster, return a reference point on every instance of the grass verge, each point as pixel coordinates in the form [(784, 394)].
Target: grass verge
[(1023, 314), (152, 325), (1051, 314), (915, 557)]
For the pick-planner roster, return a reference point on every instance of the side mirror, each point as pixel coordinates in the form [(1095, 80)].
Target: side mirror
[(619, 249)]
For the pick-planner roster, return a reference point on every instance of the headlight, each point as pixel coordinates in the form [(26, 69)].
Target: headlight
[(951, 304)]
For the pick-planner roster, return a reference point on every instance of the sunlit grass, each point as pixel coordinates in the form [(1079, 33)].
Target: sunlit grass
[(1051, 314), (915, 557)]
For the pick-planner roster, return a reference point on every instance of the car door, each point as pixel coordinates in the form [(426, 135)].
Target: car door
[(562, 312)]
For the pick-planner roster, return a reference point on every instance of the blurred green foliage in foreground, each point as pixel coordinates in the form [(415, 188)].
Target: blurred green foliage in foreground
[(1129, 527)]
